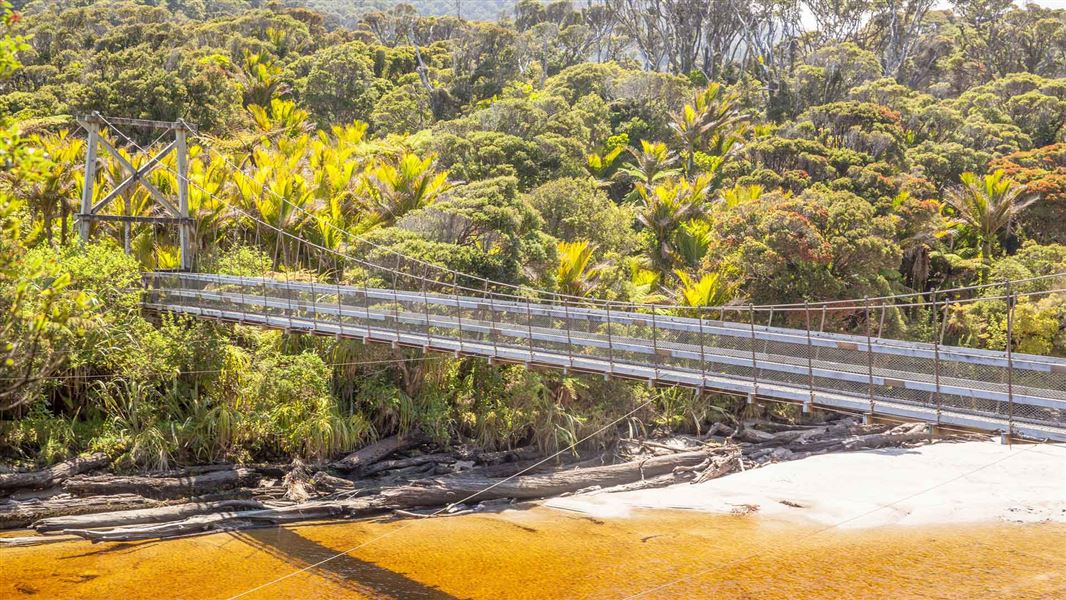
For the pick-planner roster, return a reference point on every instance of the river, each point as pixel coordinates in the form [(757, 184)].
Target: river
[(541, 553)]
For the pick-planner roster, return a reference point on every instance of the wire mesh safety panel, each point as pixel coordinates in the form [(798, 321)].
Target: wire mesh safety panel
[(728, 350)]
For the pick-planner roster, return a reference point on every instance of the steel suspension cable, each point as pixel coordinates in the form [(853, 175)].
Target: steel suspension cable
[(794, 307), (454, 273), (390, 250)]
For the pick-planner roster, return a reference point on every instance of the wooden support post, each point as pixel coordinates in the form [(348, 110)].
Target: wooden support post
[(314, 299), (529, 330), (425, 310), (126, 225), (92, 125), (395, 303), (185, 225), (340, 313), (492, 323)]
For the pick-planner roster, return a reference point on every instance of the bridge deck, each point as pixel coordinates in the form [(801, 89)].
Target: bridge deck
[(941, 384)]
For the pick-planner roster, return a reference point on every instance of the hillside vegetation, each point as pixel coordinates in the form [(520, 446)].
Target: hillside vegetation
[(703, 153)]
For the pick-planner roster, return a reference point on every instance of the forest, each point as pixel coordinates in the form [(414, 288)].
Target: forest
[(677, 152)]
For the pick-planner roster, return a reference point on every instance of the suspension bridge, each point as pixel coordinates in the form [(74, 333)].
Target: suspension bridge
[(729, 349)]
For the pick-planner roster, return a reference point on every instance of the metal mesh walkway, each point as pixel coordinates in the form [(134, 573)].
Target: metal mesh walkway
[(988, 390)]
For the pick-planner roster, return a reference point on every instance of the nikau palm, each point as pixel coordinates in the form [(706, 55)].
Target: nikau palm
[(55, 190), (988, 206), (711, 289), (396, 188), (652, 163), (664, 208), (576, 271), (710, 124)]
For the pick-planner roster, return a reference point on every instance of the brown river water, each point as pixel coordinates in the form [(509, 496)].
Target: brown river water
[(540, 553)]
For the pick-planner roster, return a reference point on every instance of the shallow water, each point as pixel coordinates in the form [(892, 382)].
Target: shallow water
[(541, 553)]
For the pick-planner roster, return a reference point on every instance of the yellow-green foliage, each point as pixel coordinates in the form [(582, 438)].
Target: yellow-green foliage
[(533, 152)]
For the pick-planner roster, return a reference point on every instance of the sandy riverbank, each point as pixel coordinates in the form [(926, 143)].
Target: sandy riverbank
[(942, 483)]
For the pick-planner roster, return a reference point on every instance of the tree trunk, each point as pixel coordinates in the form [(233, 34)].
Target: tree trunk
[(64, 211), (233, 520), (365, 456), (21, 514), (986, 258), (403, 463), (474, 489), (52, 475), (163, 487), (141, 516)]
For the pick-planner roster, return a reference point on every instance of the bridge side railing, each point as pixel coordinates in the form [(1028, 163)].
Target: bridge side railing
[(655, 346)]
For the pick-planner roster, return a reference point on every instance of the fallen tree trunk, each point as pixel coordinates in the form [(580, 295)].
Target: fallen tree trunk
[(162, 487), (230, 520), (23, 513), (141, 516), (325, 482), (403, 463), (516, 454), (35, 540), (894, 437), (54, 474), (643, 484), (195, 524), (509, 468), (265, 469), (466, 488), (438, 492), (363, 457)]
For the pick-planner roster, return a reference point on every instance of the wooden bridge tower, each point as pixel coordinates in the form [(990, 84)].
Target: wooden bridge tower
[(175, 210)]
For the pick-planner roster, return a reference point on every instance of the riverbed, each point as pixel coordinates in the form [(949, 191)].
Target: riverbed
[(542, 553)]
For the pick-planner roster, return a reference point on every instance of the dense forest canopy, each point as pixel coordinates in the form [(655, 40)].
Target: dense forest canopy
[(689, 152)]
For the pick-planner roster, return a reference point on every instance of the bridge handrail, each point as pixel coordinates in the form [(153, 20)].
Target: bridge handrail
[(628, 344), (725, 383), (978, 356)]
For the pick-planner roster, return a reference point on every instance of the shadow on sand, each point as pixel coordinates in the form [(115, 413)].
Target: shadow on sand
[(361, 577)]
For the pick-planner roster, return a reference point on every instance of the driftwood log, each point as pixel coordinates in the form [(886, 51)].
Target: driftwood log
[(403, 463), (23, 513), (474, 489), (163, 487), (378, 450), (52, 475), (330, 483), (229, 520), (220, 521), (145, 515), (500, 456)]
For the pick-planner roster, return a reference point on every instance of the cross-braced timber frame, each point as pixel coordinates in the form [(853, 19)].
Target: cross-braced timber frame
[(175, 210)]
